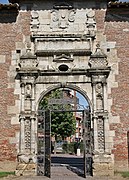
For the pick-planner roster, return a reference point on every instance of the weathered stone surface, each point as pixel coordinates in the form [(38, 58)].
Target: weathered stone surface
[(40, 38)]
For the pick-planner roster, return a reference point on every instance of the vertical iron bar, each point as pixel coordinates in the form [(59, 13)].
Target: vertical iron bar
[(47, 165), (84, 142)]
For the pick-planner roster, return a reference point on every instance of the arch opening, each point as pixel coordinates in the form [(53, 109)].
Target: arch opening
[(69, 122)]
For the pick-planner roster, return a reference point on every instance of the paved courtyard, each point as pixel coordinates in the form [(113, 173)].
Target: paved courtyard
[(62, 173), (60, 170)]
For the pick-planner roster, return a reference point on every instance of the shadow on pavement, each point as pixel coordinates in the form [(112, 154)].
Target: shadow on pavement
[(74, 164)]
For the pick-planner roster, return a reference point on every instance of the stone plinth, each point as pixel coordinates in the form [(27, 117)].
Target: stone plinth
[(26, 169), (103, 165)]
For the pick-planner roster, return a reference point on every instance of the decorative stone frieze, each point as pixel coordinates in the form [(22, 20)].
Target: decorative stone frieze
[(72, 44)]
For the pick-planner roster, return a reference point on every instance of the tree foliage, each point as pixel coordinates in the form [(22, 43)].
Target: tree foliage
[(63, 124)]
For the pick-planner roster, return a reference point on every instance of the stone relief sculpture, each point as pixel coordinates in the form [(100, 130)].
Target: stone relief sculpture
[(91, 23), (27, 135), (99, 97), (28, 60), (34, 21), (28, 91), (62, 15), (98, 59), (100, 126)]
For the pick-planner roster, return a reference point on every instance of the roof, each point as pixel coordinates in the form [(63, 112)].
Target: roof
[(117, 4), (111, 4), (14, 1), (8, 6)]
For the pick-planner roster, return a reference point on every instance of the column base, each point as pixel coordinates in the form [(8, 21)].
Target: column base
[(27, 165), (103, 165), (24, 169)]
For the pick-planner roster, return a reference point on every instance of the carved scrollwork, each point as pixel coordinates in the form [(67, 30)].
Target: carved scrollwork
[(71, 16), (62, 15)]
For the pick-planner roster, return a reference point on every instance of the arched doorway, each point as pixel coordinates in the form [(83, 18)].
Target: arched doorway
[(54, 105)]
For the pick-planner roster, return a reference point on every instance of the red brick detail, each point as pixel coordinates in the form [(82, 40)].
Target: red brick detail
[(114, 31), (10, 33)]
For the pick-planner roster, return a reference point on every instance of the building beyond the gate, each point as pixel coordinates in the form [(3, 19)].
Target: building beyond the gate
[(77, 44)]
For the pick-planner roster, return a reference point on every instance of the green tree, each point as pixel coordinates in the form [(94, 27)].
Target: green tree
[(63, 124)]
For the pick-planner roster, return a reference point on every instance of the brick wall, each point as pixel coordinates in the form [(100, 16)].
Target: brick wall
[(117, 30), (10, 33), (16, 30)]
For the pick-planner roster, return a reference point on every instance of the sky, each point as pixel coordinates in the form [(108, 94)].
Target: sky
[(3, 1), (6, 1), (82, 100)]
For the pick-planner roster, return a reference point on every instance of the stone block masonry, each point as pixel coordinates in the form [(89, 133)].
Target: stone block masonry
[(92, 41), (11, 32)]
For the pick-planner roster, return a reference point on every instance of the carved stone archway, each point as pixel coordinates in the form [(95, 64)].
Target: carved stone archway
[(57, 58)]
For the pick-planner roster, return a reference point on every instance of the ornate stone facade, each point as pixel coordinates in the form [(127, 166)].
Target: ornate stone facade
[(77, 45)]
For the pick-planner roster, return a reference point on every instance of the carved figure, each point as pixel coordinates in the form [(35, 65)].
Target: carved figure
[(28, 91), (99, 96)]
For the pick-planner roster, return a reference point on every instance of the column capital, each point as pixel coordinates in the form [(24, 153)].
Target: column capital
[(21, 117)]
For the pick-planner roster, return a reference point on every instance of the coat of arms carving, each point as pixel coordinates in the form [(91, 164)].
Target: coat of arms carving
[(61, 15)]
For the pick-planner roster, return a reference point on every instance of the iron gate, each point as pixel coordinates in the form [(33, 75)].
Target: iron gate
[(44, 144), (88, 144)]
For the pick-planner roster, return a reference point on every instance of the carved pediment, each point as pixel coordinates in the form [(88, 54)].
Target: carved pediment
[(63, 58)]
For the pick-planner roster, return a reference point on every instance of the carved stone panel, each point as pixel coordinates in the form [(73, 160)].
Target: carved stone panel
[(34, 21), (98, 59), (91, 23), (99, 97), (62, 15), (100, 126), (28, 61), (27, 135)]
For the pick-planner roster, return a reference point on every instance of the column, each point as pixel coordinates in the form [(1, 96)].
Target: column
[(105, 96), (22, 135), (22, 97), (94, 96), (101, 136), (95, 135), (33, 140), (33, 98)]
